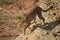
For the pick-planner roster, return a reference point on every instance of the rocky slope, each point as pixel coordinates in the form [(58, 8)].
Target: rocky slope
[(51, 29)]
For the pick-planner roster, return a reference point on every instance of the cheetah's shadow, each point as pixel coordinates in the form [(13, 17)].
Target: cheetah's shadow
[(47, 26)]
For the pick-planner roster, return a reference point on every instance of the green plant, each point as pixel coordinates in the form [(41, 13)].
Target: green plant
[(18, 17)]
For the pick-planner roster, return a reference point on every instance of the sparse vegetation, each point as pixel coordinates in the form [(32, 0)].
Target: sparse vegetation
[(7, 2), (4, 23), (18, 17)]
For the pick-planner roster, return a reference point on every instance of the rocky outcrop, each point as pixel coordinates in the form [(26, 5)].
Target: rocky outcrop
[(51, 29)]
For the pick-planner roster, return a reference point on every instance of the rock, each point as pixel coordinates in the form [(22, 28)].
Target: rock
[(38, 34), (51, 29)]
